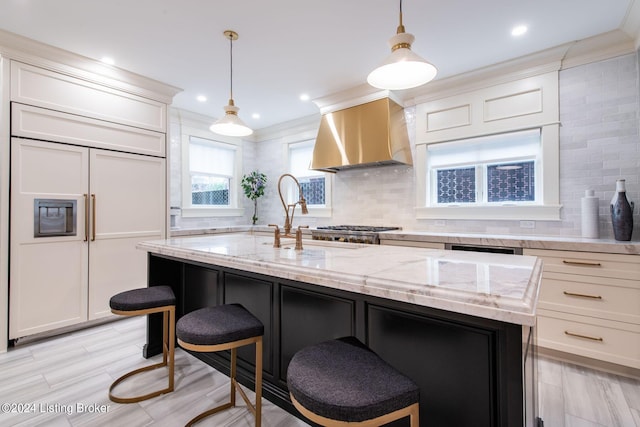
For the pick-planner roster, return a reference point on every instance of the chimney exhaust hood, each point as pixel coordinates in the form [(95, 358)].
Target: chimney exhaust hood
[(369, 134)]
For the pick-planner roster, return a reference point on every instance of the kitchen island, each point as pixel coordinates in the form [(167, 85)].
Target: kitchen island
[(460, 324)]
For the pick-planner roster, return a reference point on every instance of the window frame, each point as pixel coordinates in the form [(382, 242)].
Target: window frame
[(547, 169), (194, 211), (480, 162), (320, 211)]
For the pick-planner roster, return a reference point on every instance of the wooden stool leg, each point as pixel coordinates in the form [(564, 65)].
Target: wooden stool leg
[(414, 416)]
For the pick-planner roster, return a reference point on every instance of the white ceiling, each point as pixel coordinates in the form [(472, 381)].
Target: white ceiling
[(290, 47)]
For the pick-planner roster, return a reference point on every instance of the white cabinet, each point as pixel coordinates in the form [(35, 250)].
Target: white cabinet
[(40, 123), (82, 97), (589, 305), (58, 281)]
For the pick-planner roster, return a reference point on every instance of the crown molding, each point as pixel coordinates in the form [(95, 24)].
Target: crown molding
[(356, 95), (526, 66), (303, 127), (631, 23), (599, 48), (190, 118), (32, 52)]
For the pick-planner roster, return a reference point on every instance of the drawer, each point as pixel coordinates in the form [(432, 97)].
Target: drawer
[(615, 301), (608, 341), (589, 263)]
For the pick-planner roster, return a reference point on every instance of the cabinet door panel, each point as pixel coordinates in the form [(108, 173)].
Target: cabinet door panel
[(202, 285), (451, 363), (48, 279), (40, 123), (129, 207), (256, 296), (130, 194), (308, 318)]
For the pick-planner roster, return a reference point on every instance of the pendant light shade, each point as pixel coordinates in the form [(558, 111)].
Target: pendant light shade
[(230, 124), (403, 69)]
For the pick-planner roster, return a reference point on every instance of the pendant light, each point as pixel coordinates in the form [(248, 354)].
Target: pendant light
[(403, 69), (230, 124)]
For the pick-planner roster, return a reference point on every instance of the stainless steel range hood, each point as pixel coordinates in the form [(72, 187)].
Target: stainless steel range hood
[(370, 134)]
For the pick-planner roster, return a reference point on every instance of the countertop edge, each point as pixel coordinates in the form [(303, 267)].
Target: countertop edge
[(522, 311), (526, 242), (563, 243)]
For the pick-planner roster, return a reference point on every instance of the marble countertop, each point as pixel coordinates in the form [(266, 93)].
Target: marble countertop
[(560, 243), (494, 286)]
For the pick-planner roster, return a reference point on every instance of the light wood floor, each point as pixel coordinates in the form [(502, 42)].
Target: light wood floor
[(63, 381)]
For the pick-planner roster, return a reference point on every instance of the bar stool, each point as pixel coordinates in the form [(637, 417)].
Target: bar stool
[(343, 383), (137, 302), (224, 327)]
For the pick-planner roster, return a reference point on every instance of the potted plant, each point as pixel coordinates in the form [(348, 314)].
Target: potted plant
[(253, 185)]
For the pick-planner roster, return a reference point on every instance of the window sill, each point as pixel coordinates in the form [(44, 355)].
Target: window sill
[(203, 212), (318, 212), (509, 212)]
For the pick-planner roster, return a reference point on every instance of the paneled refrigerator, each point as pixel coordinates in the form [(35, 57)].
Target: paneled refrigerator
[(76, 216)]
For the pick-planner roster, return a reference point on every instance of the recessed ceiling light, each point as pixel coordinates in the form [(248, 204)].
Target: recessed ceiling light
[(108, 60), (304, 97), (201, 98), (255, 115), (519, 30)]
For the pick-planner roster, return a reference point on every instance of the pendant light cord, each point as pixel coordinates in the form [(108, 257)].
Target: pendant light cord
[(401, 26), (231, 66)]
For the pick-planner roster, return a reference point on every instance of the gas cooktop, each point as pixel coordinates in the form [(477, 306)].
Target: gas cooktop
[(350, 233), (357, 228)]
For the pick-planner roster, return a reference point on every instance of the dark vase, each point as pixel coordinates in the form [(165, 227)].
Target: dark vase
[(621, 213)]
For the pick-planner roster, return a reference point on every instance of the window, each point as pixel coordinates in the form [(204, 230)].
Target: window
[(209, 178), (493, 169), (511, 175), (211, 170), (315, 184)]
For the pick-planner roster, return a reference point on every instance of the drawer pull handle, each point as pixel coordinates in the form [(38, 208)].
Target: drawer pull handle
[(582, 263), (583, 336), (571, 294)]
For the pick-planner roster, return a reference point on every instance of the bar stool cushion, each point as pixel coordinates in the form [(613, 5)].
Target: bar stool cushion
[(143, 298), (344, 380), (218, 325)]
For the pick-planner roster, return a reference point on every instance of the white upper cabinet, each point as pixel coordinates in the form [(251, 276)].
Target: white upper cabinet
[(56, 91), (41, 123)]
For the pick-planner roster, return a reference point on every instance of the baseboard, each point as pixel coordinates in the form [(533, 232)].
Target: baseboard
[(61, 331)]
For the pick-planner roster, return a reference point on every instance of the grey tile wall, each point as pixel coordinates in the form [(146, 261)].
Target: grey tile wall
[(599, 138)]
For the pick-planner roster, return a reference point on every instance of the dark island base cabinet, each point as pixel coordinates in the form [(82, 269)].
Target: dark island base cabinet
[(471, 371)]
